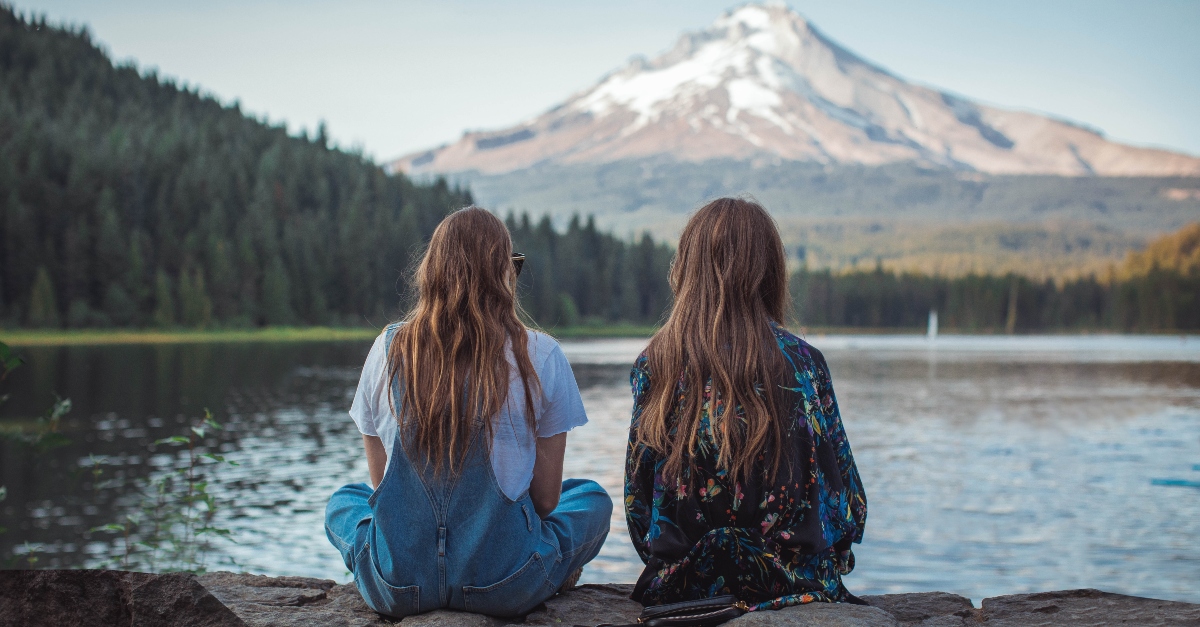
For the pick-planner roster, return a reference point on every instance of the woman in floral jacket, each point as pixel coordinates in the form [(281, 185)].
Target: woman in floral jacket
[(739, 477)]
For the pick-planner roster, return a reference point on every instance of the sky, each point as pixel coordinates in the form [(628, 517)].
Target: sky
[(395, 77)]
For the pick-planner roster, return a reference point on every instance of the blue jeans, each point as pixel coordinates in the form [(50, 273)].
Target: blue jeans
[(421, 542)]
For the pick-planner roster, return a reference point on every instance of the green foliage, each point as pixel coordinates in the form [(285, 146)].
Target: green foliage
[(43, 305), (1178, 252), (936, 221), (1156, 302), (277, 305), (25, 557), (131, 200), (584, 276), (172, 529), (158, 206), (164, 301), (45, 433), (9, 361), (44, 436), (194, 302)]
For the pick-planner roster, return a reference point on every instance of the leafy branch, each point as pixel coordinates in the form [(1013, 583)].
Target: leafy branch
[(172, 528)]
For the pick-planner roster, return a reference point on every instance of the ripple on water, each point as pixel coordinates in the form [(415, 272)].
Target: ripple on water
[(992, 465)]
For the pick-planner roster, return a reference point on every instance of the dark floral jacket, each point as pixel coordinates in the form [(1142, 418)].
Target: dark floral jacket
[(769, 545)]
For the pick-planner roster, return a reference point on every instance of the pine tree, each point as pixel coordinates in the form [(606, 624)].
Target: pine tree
[(277, 298), (43, 305), (164, 302), (112, 250), (194, 302), (224, 284), (137, 279), (119, 307)]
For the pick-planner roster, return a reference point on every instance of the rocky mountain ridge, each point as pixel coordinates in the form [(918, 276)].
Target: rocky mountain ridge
[(763, 83)]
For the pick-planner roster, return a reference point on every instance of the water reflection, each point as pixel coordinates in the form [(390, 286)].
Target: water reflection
[(991, 467)]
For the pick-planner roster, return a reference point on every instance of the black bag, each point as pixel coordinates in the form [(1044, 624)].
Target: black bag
[(702, 613)]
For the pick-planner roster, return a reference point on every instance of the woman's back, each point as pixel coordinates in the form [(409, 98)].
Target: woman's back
[(776, 543), (739, 478), (463, 414), (557, 408), (465, 540)]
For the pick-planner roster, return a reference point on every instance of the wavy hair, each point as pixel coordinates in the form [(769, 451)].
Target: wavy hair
[(729, 279), (450, 353)]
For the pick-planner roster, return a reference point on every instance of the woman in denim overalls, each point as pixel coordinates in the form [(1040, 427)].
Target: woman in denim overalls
[(464, 414)]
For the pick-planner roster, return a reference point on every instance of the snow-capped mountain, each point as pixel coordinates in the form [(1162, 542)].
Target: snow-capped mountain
[(763, 82)]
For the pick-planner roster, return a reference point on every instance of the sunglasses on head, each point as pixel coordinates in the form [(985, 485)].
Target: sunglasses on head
[(518, 260)]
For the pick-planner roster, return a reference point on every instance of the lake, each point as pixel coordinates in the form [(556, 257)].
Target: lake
[(993, 465)]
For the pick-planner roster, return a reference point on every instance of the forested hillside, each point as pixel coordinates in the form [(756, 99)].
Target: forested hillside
[(1154, 290), (915, 219), (128, 200)]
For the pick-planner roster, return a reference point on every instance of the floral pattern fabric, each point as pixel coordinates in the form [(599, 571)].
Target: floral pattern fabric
[(770, 545)]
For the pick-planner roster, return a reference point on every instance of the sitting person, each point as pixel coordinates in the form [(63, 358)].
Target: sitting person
[(464, 416), (739, 477)]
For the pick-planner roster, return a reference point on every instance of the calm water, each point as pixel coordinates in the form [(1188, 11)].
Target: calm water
[(992, 465)]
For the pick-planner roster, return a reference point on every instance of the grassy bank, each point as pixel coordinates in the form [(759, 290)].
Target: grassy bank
[(602, 331), (30, 337), (60, 337)]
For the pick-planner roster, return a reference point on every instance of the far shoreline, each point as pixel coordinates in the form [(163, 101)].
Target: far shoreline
[(96, 337), (83, 337)]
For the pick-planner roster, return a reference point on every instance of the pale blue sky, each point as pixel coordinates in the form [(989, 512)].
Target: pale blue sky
[(394, 77)]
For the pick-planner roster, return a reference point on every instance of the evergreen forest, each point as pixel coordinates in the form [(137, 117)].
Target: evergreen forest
[(128, 200)]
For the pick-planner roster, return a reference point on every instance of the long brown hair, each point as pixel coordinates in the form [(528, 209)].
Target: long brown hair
[(729, 278), (450, 352)]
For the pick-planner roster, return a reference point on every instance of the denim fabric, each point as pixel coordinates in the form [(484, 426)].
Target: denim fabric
[(421, 541), (514, 446)]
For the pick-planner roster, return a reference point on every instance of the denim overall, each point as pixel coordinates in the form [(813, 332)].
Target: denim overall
[(420, 541)]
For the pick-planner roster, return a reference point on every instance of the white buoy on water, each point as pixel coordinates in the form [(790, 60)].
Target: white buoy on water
[(931, 330)]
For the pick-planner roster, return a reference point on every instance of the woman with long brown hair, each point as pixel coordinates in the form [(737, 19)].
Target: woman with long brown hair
[(464, 413), (739, 478)]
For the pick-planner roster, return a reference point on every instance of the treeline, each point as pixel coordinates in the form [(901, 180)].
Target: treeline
[(1158, 300), (584, 276), (128, 200)]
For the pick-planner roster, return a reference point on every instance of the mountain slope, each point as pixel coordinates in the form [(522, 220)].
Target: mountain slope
[(126, 200), (762, 82), (909, 217)]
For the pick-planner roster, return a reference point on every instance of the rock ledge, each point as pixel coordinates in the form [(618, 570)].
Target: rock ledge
[(89, 597)]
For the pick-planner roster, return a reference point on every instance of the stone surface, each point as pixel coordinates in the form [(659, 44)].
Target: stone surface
[(286, 601), (447, 618), (82, 598), (292, 601), (919, 607), (951, 620), (589, 604), (818, 615), (85, 598), (1085, 607)]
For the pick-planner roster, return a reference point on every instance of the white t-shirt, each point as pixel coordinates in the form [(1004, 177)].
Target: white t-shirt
[(558, 409)]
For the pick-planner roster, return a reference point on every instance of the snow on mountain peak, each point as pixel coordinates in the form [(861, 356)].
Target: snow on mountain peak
[(738, 55), (751, 15)]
